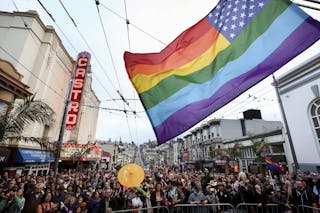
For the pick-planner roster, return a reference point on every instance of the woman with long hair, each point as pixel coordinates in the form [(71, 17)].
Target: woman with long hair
[(46, 205), (158, 198)]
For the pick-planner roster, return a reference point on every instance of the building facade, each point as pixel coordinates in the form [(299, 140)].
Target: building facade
[(44, 67), (202, 144), (299, 94)]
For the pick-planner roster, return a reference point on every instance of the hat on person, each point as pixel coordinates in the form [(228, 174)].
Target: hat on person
[(213, 183)]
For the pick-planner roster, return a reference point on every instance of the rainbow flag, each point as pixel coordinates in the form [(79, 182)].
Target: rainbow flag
[(239, 43), (272, 165)]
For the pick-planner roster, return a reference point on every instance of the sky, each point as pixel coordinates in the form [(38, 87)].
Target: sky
[(153, 25)]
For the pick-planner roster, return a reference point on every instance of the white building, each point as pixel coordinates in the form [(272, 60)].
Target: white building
[(224, 133), (299, 93), (37, 54)]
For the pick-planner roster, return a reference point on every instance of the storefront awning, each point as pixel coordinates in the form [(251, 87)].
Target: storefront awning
[(33, 156)]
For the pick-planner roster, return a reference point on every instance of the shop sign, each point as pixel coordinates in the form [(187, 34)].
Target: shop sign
[(77, 89), (72, 151), (221, 162), (33, 156), (4, 155), (185, 154)]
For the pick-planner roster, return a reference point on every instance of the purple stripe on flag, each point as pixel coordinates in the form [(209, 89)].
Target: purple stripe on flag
[(303, 37)]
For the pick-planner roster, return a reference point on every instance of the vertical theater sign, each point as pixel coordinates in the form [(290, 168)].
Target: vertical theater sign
[(77, 89)]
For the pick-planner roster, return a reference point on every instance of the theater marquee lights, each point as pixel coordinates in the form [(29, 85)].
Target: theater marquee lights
[(77, 89)]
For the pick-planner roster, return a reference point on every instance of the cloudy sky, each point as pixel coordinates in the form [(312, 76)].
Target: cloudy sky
[(153, 25)]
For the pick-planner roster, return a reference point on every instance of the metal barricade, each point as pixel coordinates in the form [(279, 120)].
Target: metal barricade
[(204, 208), (274, 208), (155, 209), (256, 208), (308, 209)]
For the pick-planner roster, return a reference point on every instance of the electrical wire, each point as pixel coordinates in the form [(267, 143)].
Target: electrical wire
[(91, 50), (135, 26), (122, 97), (27, 69), (98, 80), (127, 24), (108, 46)]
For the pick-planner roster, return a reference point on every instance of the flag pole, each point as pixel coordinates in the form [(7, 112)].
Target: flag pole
[(271, 179), (295, 161)]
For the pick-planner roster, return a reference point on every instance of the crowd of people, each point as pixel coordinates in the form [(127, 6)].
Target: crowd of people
[(99, 191)]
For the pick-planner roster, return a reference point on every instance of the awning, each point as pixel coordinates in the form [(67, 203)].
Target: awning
[(33, 156)]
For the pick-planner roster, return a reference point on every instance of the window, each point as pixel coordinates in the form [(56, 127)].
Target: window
[(315, 116), (277, 148), (3, 107)]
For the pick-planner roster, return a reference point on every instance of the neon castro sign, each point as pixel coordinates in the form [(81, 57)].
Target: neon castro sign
[(77, 90)]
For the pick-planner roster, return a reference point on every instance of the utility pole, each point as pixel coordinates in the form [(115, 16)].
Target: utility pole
[(63, 123), (295, 161)]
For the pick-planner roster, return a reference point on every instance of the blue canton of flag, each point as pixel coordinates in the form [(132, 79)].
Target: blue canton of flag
[(230, 16)]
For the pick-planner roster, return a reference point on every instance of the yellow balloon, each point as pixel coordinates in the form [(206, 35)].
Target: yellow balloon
[(131, 175)]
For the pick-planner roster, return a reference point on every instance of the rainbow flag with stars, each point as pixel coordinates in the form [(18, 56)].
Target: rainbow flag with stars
[(239, 43)]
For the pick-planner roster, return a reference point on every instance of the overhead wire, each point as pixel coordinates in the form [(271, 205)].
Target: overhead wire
[(83, 38), (46, 85), (107, 43), (127, 24), (28, 70), (135, 26), (61, 95), (112, 60), (98, 61), (129, 45), (50, 15)]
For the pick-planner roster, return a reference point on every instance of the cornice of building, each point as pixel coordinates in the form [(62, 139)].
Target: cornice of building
[(262, 135), (46, 28), (303, 69)]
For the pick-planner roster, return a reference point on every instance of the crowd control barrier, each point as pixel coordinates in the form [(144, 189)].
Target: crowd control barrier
[(308, 209), (223, 208), (203, 208), (155, 209)]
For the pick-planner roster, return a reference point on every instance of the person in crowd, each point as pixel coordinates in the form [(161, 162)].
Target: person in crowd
[(212, 198), (46, 205), (301, 195), (136, 202), (198, 198), (280, 199), (315, 186), (81, 203), (20, 200), (172, 194), (33, 198), (96, 204), (157, 198), (79, 192), (9, 203), (69, 205), (164, 185)]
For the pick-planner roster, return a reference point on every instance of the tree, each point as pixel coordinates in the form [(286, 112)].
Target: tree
[(226, 154), (260, 147), (15, 121), (234, 152)]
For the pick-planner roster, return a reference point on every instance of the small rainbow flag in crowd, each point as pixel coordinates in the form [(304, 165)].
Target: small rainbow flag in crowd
[(238, 44), (272, 165)]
